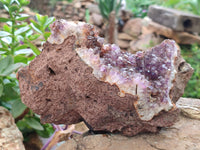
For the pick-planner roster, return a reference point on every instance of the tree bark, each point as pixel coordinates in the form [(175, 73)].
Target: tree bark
[(111, 29)]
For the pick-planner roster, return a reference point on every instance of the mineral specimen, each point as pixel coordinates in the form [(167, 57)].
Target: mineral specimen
[(78, 77)]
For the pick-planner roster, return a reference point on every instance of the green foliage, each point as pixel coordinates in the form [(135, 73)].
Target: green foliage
[(107, 6), (87, 15), (140, 8), (41, 25), (192, 56), (17, 50), (31, 123), (186, 5)]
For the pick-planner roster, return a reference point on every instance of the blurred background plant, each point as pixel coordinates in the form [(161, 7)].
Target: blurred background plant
[(17, 50), (139, 8), (192, 55), (107, 6), (185, 5), (87, 15)]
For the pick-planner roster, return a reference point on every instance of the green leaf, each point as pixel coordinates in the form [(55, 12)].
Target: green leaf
[(32, 122), (34, 48), (49, 21), (46, 35), (9, 92), (4, 19), (36, 26), (17, 108), (21, 25), (118, 7), (4, 49), (26, 51), (7, 40), (20, 58), (29, 33), (7, 66), (2, 52), (87, 15), (22, 17), (4, 45), (6, 8), (31, 57), (33, 37), (22, 30), (11, 1), (10, 69), (24, 46), (17, 2), (104, 9), (7, 28), (47, 132), (4, 33), (22, 125), (1, 90), (41, 19), (5, 2), (13, 8), (5, 62), (111, 5), (24, 2)]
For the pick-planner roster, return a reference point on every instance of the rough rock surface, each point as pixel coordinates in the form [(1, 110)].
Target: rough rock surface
[(177, 20), (133, 27), (144, 41), (97, 19), (123, 44), (190, 107), (183, 135), (65, 84), (10, 136), (179, 37), (124, 36)]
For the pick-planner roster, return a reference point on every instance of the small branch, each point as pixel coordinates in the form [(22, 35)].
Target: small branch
[(22, 115), (111, 33), (60, 134)]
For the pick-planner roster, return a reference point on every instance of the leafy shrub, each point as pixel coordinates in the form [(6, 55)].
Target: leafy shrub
[(16, 50), (107, 6), (192, 55), (186, 5), (140, 8)]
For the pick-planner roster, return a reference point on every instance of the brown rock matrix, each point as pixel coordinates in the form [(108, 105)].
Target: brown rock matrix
[(77, 77)]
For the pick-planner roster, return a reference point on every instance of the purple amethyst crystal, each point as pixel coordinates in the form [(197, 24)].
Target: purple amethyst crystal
[(149, 75)]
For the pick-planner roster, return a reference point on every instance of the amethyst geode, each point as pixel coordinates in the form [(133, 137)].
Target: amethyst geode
[(78, 77)]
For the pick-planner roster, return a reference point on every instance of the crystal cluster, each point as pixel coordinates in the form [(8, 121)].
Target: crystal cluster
[(149, 75)]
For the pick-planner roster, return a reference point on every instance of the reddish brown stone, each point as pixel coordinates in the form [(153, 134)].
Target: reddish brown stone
[(61, 88)]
